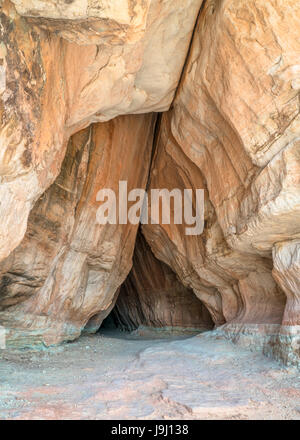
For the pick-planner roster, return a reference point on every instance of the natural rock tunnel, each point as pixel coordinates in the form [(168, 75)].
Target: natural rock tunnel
[(160, 94)]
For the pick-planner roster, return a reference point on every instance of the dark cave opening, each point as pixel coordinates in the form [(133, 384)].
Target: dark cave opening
[(110, 322), (152, 297)]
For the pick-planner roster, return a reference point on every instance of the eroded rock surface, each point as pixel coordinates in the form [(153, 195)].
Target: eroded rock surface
[(58, 74), (235, 125), (68, 267), (286, 257), (236, 117), (233, 130), (235, 287)]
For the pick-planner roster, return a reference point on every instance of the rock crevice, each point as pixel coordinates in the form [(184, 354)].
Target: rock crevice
[(80, 89)]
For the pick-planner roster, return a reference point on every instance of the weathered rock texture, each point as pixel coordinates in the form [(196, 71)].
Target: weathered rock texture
[(68, 267), (286, 258), (68, 64), (233, 130), (152, 296), (235, 124), (234, 286)]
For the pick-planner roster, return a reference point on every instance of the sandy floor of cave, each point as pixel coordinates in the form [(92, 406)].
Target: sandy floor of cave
[(114, 376)]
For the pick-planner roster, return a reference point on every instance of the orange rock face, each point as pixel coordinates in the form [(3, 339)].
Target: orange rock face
[(76, 82), (235, 125), (68, 267), (235, 287), (69, 67)]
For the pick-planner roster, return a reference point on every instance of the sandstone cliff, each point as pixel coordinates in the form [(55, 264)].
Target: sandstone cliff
[(80, 85)]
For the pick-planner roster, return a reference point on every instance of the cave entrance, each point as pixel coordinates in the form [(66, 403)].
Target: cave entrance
[(153, 299)]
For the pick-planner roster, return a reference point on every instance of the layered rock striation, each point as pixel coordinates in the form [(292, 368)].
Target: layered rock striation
[(68, 267), (228, 87), (65, 65), (235, 122)]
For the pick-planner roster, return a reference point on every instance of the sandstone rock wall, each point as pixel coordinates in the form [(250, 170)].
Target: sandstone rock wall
[(233, 129), (68, 268), (234, 286), (67, 65), (235, 123)]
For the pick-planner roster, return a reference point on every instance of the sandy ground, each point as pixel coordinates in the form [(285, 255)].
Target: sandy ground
[(117, 376)]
